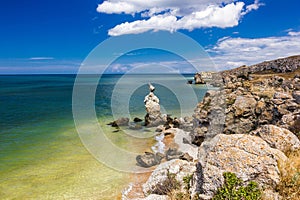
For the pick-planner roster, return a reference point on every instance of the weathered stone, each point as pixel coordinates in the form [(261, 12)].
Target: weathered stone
[(153, 116), (178, 168), (198, 79), (291, 105), (153, 197), (240, 125), (123, 121), (173, 153), (260, 106), (186, 157), (250, 157), (135, 126), (278, 101), (282, 109), (136, 119), (271, 195), (149, 159), (281, 95), (244, 105), (279, 138)]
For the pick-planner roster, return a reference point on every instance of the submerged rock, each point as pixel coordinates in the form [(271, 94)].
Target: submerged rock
[(135, 126), (149, 159), (136, 119), (189, 82), (123, 121)]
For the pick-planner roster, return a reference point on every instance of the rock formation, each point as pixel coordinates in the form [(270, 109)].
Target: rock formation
[(198, 79), (153, 116), (149, 159), (247, 127), (123, 121), (178, 168), (250, 157)]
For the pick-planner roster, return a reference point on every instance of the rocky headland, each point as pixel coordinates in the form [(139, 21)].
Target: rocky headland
[(249, 127)]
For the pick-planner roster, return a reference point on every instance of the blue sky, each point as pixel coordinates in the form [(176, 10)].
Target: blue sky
[(55, 36)]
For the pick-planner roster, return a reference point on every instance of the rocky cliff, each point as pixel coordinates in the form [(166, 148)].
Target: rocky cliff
[(248, 126)]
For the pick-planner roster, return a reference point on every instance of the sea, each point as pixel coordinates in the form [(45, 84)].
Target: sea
[(42, 155)]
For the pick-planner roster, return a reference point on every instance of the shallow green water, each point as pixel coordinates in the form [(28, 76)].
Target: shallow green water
[(41, 155)]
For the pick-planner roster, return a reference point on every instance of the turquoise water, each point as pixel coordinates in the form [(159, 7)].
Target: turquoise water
[(41, 155)]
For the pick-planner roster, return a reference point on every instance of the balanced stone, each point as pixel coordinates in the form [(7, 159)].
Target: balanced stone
[(153, 116)]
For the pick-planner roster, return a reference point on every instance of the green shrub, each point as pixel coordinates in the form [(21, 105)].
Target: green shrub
[(233, 189), (187, 181)]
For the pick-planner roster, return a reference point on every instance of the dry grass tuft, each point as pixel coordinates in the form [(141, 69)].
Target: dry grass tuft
[(289, 187)]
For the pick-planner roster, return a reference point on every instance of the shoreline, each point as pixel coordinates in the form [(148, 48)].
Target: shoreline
[(237, 132)]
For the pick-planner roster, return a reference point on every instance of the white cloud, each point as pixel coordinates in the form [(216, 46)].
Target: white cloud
[(41, 58), (171, 66), (253, 6), (292, 33), (233, 52), (172, 15)]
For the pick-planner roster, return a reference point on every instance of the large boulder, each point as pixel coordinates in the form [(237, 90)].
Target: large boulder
[(279, 138), (178, 169), (250, 157)]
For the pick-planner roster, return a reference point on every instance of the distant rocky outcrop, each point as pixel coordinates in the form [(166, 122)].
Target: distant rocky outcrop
[(283, 65), (198, 79)]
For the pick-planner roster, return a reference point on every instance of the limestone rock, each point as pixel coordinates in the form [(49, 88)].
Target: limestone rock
[(198, 79), (244, 105), (153, 116), (149, 159), (279, 138), (296, 96), (186, 157), (281, 95), (123, 121), (173, 153), (154, 197), (271, 195), (250, 157), (180, 168)]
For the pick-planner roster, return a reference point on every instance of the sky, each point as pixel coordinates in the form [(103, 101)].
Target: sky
[(56, 36)]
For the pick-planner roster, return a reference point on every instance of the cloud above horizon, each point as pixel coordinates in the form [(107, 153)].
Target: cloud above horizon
[(233, 52), (173, 15)]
